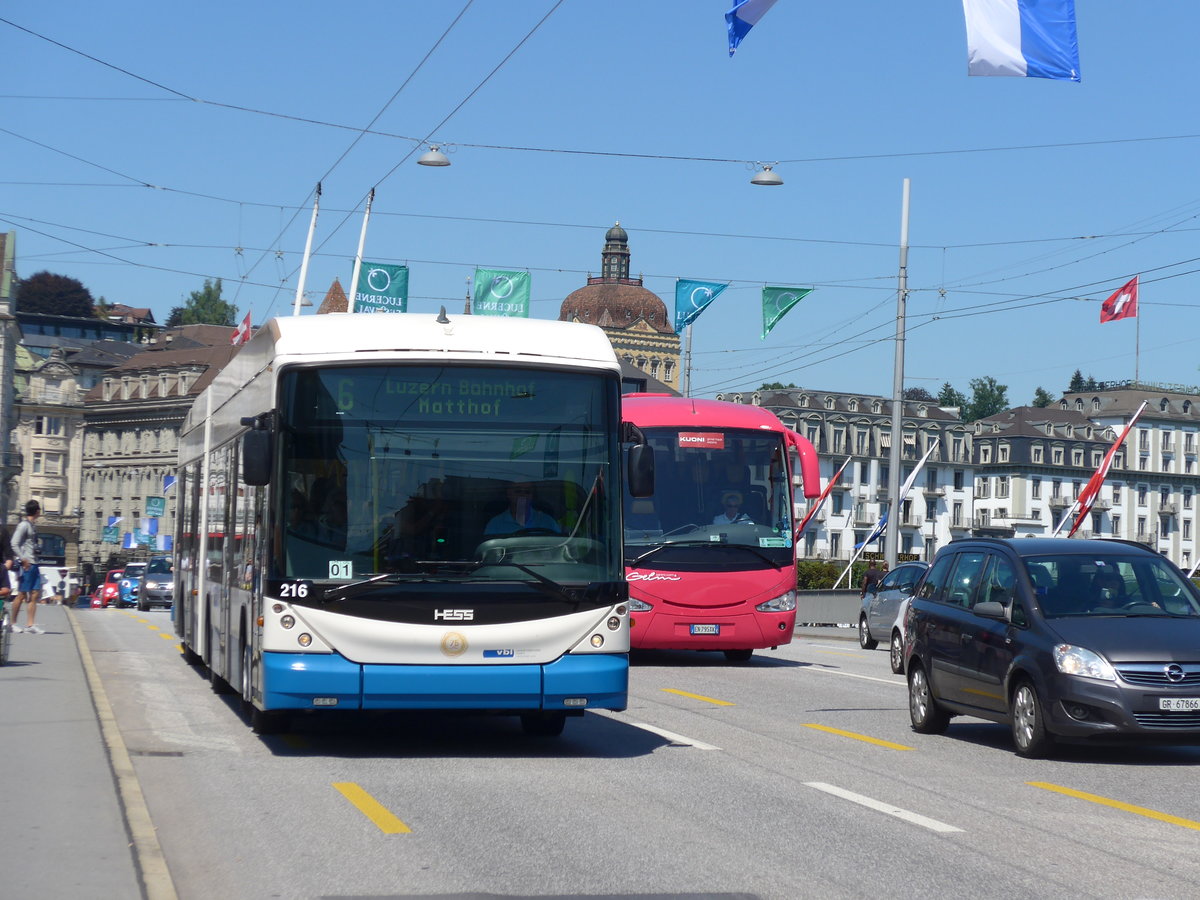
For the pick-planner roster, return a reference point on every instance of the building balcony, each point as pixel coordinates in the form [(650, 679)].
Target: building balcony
[(1146, 537), (1168, 509), (912, 521), (862, 517), (1060, 502), (960, 525), (935, 490), (1101, 503)]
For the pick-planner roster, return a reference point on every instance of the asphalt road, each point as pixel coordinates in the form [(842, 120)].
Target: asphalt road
[(795, 775)]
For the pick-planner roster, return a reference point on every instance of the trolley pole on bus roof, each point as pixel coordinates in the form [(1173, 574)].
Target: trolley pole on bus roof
[(312, 226), (362, 240), (891, 540)]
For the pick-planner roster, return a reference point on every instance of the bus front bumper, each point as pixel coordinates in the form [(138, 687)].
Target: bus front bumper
[(330, 681)]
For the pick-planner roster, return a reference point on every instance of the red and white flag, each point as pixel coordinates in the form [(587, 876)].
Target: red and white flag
[(1091, 490), (1122, 304), (241, 334), (820, 501)]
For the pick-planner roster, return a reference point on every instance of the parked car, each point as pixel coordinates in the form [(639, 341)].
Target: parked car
[(109, 590), (896, 648), (131, 582), (880, 603), (158, 584), (1058, 639)]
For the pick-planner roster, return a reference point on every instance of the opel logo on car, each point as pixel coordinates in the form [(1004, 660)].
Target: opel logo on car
[(1174, 673)]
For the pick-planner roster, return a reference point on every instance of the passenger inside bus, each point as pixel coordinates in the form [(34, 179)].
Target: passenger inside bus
[(731, 510)]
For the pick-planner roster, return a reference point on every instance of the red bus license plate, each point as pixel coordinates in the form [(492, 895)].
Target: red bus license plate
[(706, 629)]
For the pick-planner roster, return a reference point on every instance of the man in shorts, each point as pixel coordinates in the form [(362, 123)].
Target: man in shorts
[(25, 547)]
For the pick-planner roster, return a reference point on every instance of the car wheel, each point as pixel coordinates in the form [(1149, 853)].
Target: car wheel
[(1029, 723), (739, 655), (143, 606), (896, 652), (927, 717), (864, 635)]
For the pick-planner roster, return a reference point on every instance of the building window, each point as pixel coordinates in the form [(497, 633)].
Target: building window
[(1058, 456), (1116, 493), (829, 403), (930, 510), (1035, 486), (48, 425), (1142, 493), (1002, 453), (1002, 486), (1116, 520), (985, 453), (958, 479), (1187, 529), (957, 518), (1187, 498), (1077, 457), (1055, 489), (1038, 453), (1097, 457)]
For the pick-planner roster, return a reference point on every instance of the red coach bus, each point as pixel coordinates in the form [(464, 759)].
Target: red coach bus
[(711, 556)]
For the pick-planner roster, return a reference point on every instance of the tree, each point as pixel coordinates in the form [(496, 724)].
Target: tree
[(950, 398), (175, 319), (777, 386), (205, 307), (56, 295), (1042, 398), (918, 393), (987, 398)]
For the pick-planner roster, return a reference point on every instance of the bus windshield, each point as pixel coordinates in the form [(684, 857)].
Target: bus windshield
[(457, 472), (723, 486)]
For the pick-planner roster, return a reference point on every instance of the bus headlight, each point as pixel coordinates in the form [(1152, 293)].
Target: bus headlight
[(597, 640), (288, 622), (636, 605), (613, 623), (782, 603), (304, 639)]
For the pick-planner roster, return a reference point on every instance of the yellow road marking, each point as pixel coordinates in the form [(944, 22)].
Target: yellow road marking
[(153, 627), (372, 808), (168, 637), (857, 737), (1117, 804), (698, 697)]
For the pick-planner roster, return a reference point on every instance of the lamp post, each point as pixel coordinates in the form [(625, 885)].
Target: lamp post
[(891, 541)]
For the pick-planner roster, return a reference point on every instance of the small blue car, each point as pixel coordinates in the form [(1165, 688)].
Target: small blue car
[(131, 582)]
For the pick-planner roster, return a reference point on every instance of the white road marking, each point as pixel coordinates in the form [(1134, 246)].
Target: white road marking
[(879, 806), (817, 668), (671, 736)]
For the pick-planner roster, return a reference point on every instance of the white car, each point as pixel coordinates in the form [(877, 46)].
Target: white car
[(880, 605), (896, 650)]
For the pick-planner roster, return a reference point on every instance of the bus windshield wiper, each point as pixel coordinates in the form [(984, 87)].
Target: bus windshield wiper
[(637, 561), (550, 583)]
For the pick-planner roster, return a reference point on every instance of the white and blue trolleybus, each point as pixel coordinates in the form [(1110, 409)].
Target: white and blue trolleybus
[(409, 512)]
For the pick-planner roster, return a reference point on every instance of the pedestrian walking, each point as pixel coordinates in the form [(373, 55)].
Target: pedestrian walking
[(872, 577), (25, 547)]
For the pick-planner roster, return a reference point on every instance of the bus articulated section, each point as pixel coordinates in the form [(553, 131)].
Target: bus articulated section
[(403, 512), (710, 557)]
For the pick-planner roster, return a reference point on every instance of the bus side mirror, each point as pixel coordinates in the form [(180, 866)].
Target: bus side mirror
[(640, 470), (256, 457)]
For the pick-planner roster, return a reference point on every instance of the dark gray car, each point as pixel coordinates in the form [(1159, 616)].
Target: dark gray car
[(1056, 638), (158, 584)]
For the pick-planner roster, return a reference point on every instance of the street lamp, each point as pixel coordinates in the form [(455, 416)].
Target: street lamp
[(433, 157), (766, 176)]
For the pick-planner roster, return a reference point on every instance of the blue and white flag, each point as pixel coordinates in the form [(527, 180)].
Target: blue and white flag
[(744, 16), (876, 533), (168, 482), (692, 298), (1026, 38)]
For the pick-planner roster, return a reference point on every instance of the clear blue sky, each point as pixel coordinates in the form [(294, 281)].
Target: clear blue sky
[(850, 98)]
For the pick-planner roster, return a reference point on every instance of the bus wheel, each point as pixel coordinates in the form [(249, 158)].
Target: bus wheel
[(739, 655), (543, 724)]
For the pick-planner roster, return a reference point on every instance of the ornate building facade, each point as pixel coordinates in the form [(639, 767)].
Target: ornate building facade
[(633, 317)]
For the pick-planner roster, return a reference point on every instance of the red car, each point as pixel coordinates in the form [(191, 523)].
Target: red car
[(107, 593)]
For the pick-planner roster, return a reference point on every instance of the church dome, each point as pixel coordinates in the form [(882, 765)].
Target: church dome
[(614, 299), (617, 233)]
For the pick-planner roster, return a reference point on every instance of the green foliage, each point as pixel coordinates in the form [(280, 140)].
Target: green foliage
[(918, 393), (988, 397), (777, 386), (820, 575), (1042, 398), (205, 307), (56, 295), (175, 319), (952, 398), (1079, 383)]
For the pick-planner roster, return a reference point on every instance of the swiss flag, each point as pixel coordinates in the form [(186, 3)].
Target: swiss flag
[(241, 334), (1122, 304)]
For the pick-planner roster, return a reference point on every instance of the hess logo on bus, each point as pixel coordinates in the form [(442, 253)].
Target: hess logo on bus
[(454, 615)]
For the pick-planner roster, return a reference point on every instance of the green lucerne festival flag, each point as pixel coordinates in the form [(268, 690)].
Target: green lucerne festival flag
[(500, 293), (381, 289), (776, 301)]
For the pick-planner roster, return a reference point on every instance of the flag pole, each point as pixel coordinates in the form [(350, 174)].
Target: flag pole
[(1137, 346), (362, 239), (312, 226), (687, 363)]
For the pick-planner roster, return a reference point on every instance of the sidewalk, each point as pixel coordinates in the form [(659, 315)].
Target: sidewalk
[(62, 832)]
